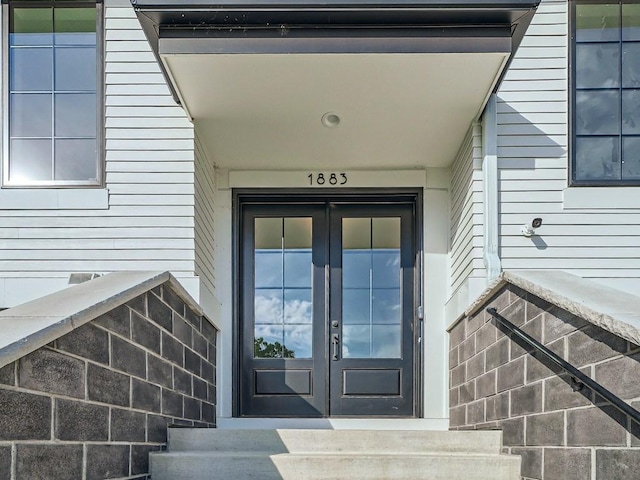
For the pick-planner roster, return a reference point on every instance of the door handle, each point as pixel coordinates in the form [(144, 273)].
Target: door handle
[(335, 340)]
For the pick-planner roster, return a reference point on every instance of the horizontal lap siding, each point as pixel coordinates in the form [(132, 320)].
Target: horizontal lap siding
[(465, 234), (532, 143), (149, 224), (204, 227), (533, 159)]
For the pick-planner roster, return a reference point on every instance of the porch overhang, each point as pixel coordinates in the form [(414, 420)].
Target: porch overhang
[(406, 80)]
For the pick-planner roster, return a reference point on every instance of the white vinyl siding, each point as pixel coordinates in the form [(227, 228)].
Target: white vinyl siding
[(148, 223), (204, 227), (532, 144), (465, 234)]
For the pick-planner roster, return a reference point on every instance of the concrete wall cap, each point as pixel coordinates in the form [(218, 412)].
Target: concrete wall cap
[(608, 308), (34, 324)]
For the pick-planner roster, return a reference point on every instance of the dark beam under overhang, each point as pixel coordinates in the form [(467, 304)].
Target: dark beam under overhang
[(313, 26)]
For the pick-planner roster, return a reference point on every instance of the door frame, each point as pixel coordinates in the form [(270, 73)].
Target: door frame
[(302, 196)]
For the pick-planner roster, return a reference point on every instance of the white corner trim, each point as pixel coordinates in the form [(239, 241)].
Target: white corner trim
[(343, 178), (601, 198), (490, 189), (54, 198)]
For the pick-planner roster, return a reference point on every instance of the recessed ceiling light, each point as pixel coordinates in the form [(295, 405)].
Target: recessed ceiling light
[(330, 120)]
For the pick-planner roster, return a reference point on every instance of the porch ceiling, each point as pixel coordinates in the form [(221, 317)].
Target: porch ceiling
[(406, 79), (264, 111)]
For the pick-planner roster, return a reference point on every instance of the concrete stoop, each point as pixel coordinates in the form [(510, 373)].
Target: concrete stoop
[(199, 454)]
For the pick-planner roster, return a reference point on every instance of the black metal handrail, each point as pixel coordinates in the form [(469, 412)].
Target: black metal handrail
[(578, 379)]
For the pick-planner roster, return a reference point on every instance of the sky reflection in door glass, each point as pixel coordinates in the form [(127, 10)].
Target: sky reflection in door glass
[(371, 303), (283, 308)]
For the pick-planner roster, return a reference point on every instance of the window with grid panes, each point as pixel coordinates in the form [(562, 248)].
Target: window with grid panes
[(54, 50), (605, 110)]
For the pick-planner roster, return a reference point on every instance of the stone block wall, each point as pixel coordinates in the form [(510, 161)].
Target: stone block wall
[(93, 404), (560, 433)]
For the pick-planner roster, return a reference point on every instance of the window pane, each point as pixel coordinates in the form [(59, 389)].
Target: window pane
[(268, 233), (386, 341), (631, 158), (268, 306), (630, 21), (386, 268), (386, 306), (75, 115), (30, 160), (597, 22), (31, 26), (30, 115), (31, 69), (297, 232), (597, 65), (75, 26), (75, 69), (356, 341), (356, 304), (356, 269), (268, 340), (75, 159), (597, 158), (631, 112), (356, 233), (386, 232), (298, 305), (597, 112), (631, 65), (297, 269), (268, 269), (298, 341)]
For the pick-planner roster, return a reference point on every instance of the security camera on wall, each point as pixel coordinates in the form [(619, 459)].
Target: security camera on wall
[(530, 227)]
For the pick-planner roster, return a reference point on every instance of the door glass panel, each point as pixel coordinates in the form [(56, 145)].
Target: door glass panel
[(283, 288), (297, 339), (356, 233), (356, 306), (356, 341), (356, 268), (268, 306), (297, 305), (371, 308), (385, 305), (385, 341), (297, 268), (268, 269), (386, 233)]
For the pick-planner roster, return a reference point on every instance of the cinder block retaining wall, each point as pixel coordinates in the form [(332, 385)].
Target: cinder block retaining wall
[(92, 404), (560, 434)]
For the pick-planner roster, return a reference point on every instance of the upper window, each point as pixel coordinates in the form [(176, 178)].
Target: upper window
[(54, 83), (606, 93)]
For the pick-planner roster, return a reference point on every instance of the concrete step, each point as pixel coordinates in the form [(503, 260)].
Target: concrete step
[(334, 441), (305, 466)]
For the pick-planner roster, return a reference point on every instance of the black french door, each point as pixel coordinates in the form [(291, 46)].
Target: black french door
[(327, 307)]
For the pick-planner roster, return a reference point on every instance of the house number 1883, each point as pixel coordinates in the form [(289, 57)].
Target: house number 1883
[(327, 179)]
